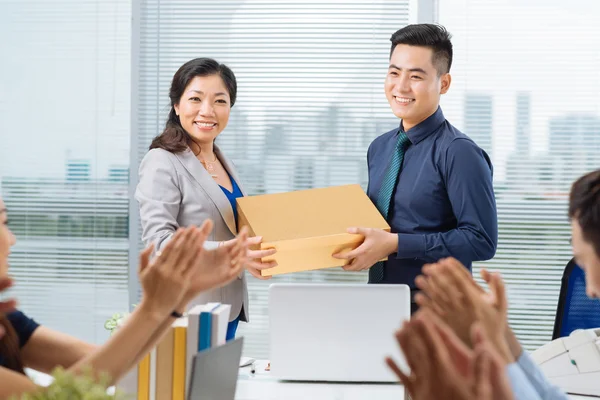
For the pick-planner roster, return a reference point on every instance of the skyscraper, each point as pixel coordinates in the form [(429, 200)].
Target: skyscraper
[(574, 143), (522, 171), (523, 131), (478, 119)]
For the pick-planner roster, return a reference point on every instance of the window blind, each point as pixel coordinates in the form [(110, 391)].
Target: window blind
[(310, 101), (64, 158), (515, 64), (310, 96)]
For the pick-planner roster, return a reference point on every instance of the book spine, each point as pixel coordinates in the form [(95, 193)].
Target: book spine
[(144, 379), (179, 355), (191, 346), (164, 367), (152, 375), (204, 331)]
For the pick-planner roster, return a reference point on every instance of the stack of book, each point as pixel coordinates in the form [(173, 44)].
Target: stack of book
[(164, 373)]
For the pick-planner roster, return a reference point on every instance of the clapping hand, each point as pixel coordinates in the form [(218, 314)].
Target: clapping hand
[(217, 267), (165, 279), (451, 292), (442, 366)]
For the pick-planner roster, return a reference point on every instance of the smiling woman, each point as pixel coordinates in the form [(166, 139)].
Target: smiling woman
[(202, 94), (203, 112), (185, 179)]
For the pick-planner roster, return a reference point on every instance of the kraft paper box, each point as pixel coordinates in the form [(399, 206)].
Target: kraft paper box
[(308, 226)]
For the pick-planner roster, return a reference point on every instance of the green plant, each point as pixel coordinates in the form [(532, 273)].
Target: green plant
[(69, 386), (116, 320)]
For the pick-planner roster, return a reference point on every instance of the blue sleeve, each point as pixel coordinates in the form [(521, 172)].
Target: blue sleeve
[(23, 325), (520, 385), (467, 173), (534, 374)]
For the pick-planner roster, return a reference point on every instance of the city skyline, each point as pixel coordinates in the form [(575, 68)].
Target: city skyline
[(475, 69), (573, 135)]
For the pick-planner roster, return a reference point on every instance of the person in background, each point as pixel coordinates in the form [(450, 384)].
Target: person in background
[(181, 270), (429, 180), (186, 179)]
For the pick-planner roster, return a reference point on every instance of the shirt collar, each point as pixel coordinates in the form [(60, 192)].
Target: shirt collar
[(425, 128)]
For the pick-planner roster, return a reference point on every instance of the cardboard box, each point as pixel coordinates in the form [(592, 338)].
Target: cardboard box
[(308, 226)]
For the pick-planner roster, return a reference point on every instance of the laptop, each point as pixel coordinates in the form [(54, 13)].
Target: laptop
[(215, 372), (336, 332)]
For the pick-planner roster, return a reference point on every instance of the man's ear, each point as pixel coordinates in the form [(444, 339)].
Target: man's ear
[(446, 80)]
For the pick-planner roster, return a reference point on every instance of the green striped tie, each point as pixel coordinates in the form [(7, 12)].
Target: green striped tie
[(385, 195)]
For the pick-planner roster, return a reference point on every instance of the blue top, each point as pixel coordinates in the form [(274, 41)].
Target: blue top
[(23, 326), (520, 385), (443, 204), (533, 377), (231, 196)]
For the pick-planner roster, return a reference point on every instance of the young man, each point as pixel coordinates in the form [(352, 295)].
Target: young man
[(430, 181)]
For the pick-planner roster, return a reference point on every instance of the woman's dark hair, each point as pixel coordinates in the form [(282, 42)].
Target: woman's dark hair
[(10, 350), (174, 138), (584, 206)]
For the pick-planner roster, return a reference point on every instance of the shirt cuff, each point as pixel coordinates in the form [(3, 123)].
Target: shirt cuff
[(537, 378), (521, 387), (411, 245)]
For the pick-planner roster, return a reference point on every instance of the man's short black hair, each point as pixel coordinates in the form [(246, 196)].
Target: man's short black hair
[(584, 207), (432, 36)]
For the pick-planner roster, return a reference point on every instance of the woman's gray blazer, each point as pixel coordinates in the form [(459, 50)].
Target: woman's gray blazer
[(175, 190)]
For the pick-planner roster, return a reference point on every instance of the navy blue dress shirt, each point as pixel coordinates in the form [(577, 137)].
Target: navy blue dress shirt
[(443, 204)]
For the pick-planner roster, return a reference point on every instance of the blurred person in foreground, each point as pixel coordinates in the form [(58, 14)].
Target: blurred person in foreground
[(451, 294), (181, 270)]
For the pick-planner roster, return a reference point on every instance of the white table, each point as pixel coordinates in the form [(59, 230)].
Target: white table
[(262, 386)]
